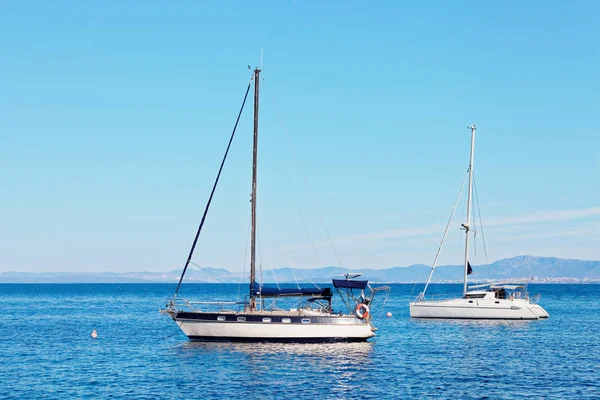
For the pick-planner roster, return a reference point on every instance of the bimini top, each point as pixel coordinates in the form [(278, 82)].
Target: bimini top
[(507, 287), (267, 291), (507, 284), (349, 284)]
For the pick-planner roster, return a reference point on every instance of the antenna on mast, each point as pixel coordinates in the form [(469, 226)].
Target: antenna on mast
[(261, 52)]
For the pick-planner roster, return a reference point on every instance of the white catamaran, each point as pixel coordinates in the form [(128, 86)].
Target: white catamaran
[(494, 300), (261, 316)]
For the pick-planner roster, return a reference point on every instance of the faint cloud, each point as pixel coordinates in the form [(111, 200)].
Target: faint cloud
[(556, 233), (431, 230), (546, 216), (392, 234)]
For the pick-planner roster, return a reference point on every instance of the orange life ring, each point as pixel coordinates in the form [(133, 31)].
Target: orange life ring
[(362, 311)]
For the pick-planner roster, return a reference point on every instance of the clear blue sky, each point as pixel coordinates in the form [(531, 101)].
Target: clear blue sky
[(114, 117)]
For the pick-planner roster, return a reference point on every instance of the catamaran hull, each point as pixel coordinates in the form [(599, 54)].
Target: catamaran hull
[(536, 308), (478, 309), (319, 329)]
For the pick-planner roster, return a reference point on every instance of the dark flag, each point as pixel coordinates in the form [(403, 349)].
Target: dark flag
[(469, 269)]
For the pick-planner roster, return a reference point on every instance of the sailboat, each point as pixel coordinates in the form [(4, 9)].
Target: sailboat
[(493, 300), (260, 316)]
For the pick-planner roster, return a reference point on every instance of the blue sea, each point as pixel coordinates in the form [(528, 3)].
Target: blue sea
[(46, 351)]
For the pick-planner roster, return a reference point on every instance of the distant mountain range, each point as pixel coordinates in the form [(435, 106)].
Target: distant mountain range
[(542, 269)]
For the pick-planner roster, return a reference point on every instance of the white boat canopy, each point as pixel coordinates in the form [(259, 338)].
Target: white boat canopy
[(512, 284)]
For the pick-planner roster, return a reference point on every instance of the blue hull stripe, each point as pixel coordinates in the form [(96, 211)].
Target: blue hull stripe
[(273, 340), (233, 318)]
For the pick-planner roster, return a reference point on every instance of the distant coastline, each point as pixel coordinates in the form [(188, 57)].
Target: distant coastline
[(538, 269)]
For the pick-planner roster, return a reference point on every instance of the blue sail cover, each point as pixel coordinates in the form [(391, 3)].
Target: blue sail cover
[(267, 291), (347, 284)]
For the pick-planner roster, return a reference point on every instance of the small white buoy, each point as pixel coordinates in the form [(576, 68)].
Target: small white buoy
[(94, 334), (388, 314)]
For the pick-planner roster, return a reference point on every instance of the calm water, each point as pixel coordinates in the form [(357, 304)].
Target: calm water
[(46, 351)]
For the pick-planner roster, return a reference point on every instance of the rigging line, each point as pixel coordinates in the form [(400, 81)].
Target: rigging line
[(302, 216), (474, 242), (305, 180), (310, 280), (209, 273), (295, 277), (245, 257), (187, 263), (277, 243), (262, 282), (445, 233), (317, 208), (266, 222), (480, 220), (312, 196), (275, 278), (379, 313)]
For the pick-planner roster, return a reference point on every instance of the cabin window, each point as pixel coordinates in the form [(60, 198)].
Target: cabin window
[(286, 320), (470, 301), (474, 295), (306, 320), (241, 319), (497, 302), (221, 318), (266, 319)]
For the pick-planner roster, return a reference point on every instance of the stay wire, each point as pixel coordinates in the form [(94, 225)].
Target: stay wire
[(316, 205), (307, 231), (302, 217), (245, 257), (480, 220), (305, 180), (437, 255), (209, 273)]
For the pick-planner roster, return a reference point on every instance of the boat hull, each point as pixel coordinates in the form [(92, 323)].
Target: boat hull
[(516, 309), (201, 326)]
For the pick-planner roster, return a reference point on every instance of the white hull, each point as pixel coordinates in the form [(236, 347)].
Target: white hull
[(499, 300), (519, 309), (331, 328), (250, 331)]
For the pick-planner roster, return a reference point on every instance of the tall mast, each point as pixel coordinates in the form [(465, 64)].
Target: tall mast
[(253, 200), (467, 225)]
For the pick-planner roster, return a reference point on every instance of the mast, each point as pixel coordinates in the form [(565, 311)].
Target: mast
[(467, 225), (189, 259), (253, 200)]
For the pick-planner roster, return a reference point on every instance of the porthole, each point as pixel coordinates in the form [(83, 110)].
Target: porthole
[(306, 320), (286, 320), (241, 319), (221, 318), (267, 320)]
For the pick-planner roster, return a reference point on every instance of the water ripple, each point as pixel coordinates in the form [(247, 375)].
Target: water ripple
[(47, 353)]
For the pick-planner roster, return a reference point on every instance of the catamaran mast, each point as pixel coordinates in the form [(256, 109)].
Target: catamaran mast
[(467, 225), (253, 200)]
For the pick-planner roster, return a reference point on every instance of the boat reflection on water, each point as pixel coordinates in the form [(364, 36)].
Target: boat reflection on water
[(480, 323), (333, 368), (325, 352)]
